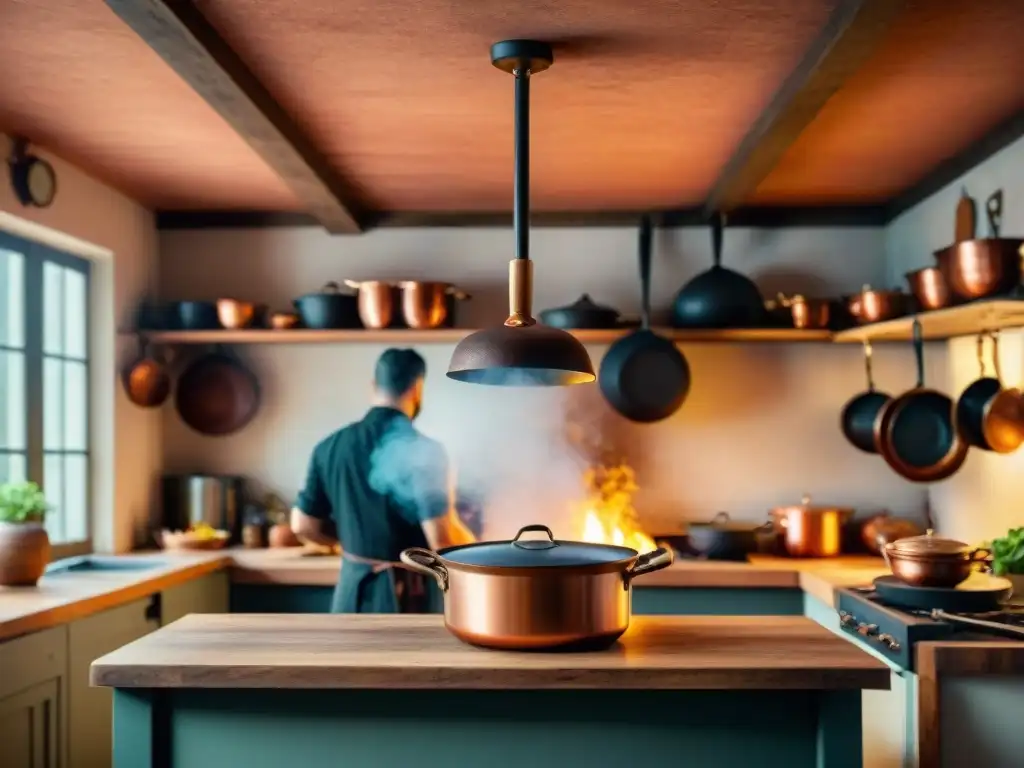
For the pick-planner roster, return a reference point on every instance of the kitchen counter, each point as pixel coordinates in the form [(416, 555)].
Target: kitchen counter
[(391, 691), (394, 651), (66, 597)]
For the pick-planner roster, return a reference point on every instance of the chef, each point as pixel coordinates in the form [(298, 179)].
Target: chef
[(385, 486)]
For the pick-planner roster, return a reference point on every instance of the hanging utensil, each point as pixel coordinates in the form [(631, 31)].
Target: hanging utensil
[(719, 297), (644, 376), (146, 381), (861, 411), (965, 218), (217, 395), (915, 433), (521, 352)]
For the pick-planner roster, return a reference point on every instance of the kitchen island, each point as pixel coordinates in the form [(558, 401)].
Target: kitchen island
[(382, 691)]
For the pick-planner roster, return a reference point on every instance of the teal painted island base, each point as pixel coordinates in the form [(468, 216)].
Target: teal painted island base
[(399, 691), (486, 729)]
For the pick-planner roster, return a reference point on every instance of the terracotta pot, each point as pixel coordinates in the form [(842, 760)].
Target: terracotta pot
[(533, 594), (24, 553), (281, 535)]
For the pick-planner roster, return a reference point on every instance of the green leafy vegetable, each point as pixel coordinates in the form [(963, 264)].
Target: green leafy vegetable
[(1008, 553), (22, 503)]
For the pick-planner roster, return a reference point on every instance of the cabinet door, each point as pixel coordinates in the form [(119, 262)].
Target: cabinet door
[(91, 709), (30, 727), (208, 594)]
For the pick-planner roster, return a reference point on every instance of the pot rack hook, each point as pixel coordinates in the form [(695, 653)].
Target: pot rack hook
[(868, 366), (994, 335), (980, 350)]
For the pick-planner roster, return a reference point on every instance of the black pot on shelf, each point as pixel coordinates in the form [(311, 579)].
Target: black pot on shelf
[(196, 315), (724, 539), (330, 308), (583, 313)]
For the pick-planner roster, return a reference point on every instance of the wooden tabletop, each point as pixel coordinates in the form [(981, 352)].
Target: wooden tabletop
[(410, 651)]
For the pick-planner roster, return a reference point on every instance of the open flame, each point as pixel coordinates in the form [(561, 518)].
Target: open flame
[(607, 514)]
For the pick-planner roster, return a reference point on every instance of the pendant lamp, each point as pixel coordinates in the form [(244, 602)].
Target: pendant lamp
[(521, 352)]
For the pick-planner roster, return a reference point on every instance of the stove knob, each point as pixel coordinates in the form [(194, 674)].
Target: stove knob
[(846, 619), (867, 629), (889, 641)]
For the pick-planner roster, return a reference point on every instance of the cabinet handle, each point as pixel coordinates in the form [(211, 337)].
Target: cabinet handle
[(889, 641), (867, 630), (155, 610), (847, 619)]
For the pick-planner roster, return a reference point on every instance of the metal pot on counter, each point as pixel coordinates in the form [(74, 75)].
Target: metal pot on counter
[(811, 531), (722, 538), (528, 594), (932, 561)]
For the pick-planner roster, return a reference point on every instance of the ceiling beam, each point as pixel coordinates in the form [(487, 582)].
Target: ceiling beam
[(182, 37), (839, 50)]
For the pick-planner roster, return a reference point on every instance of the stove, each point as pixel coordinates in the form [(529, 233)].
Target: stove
[(892, 630)]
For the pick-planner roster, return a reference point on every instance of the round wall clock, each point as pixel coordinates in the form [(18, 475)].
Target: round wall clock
[(33, 178)]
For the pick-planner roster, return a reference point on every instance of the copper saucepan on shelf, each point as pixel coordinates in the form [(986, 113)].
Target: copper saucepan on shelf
[(931, 561), (874, 306), (424, 304), (811, 531), (536, 593)]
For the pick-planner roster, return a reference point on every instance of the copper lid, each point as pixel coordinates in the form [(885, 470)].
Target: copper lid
[(928, 544)]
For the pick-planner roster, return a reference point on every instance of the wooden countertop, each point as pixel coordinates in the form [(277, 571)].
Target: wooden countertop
[(70, 596), (395, 651)]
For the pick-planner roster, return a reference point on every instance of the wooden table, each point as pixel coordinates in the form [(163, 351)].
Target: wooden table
[(382, 691)]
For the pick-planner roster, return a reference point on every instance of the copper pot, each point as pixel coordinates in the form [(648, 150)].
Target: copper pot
[(527, 594), (234, 314), (809, 313), (283, 321), (883, 529), (810, 531), (871, 306), (931, 561), (425, 304), (376, 302), (930, 288), (975, 269)]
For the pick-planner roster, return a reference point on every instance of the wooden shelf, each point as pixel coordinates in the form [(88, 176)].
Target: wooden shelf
[(453, 335), (965, 320)]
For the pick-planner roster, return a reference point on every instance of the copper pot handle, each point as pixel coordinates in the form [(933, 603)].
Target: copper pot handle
[(426, 562), (649, 562)]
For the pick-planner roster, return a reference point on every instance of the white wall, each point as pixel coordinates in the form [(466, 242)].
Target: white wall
[(759, 429), (94, 221), (987, 496)]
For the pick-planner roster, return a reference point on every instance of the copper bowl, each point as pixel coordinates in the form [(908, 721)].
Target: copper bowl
[(376, 302), (976, 269), (810, 314), (234, 314), (283, 321), (871, 306), (930, 561), (929, 287)]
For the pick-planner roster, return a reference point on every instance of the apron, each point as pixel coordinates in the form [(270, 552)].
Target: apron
[(368, 585)]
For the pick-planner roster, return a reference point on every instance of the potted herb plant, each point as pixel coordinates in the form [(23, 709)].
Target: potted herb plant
[(1008, 558), (24, 545)]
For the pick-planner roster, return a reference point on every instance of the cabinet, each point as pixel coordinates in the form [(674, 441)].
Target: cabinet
[(33, 700), (208, 594), (90, 712)]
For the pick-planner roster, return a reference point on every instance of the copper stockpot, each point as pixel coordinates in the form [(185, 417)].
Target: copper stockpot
[(528, 594), (976, 269), (376, 302), (425, 304), (810, 531), (871, 306), (931, 561), (930, 288)]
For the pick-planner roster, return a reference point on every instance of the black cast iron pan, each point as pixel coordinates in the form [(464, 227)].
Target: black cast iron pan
[(915, 433), (644, 376), (861, 411), (217, 395), (979, 594)]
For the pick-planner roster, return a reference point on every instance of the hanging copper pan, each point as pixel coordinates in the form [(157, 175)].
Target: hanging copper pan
[(217, 395), (915, 433), (146, 381)]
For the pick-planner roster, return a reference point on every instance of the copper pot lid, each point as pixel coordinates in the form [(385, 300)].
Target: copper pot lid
[(546, 552), (928, 545), (805, 505)]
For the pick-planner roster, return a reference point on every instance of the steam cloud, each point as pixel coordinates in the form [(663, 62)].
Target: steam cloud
[(409, 468)]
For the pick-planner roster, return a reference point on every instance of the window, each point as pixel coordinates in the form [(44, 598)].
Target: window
[(44, 380)]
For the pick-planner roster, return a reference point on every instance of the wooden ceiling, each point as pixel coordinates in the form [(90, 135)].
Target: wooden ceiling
[(647, 101)]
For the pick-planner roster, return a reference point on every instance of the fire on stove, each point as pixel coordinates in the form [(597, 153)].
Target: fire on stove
[(606, 515)]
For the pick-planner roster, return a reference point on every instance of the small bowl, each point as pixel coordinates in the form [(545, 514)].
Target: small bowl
[(283, 321), (188, 540), (235, 314)]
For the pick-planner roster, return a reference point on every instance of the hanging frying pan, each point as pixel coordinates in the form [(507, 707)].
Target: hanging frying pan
[(644, 376), (915, 433), (989, 416), (145, 381), (217, 395), (861, 411)]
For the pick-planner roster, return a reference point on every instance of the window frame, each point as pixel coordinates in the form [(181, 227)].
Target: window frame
[(35, 256)]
